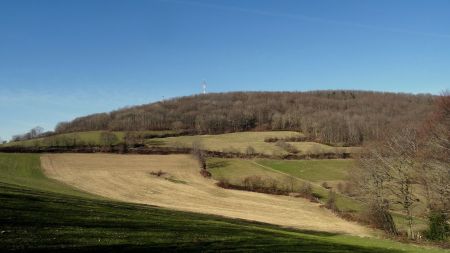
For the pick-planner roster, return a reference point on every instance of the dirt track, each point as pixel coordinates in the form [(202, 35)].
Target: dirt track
[(128, 178)]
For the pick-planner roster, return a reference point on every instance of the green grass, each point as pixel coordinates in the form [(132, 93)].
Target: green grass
[(24, 170), (235, 170), (334, 171), (37, 213), (84, 138), (313, 170), (310, 171)]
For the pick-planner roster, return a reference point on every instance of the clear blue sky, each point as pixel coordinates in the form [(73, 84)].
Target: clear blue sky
[(62, 59)]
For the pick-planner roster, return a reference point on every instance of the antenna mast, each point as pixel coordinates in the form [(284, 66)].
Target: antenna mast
[(204, 86)]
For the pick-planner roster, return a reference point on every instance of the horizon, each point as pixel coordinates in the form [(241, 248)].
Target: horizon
[(62, 60)]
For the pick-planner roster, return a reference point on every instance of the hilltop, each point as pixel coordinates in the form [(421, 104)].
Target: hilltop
[(339, 117)]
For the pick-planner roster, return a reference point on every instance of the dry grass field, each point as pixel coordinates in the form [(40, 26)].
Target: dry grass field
[(240, 141), (180, 186)]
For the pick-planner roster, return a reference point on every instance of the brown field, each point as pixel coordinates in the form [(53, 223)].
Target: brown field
[(128, 178)]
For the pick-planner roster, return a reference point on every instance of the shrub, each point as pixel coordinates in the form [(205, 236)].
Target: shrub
[(158, 173), (205, 173), (378, 216), (306, 189), (271, 139), (253, 183), (250, 150), (287, 147), (326, 186), (224, 183), (307, 193), (331, 201), (340, 187), (438, 226)]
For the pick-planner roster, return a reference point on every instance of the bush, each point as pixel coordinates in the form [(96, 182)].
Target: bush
[(250, 150), (224, 183), (205, 173), (253, 183), (287, 147), (306, 190), (158, 173), (438, 226), (307, 193), (378, 216), (326, 186), (331, 201)]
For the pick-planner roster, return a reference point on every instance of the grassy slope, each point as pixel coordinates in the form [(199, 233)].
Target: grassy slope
[(38, 213), (239, 142), (312, 171), (231, 142), (235, 170), (90, 138), (332, 171)]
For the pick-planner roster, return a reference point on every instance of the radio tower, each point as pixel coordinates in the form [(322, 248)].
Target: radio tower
[(204, 86)]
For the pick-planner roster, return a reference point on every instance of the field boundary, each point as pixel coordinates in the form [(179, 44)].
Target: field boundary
[(124, 149)]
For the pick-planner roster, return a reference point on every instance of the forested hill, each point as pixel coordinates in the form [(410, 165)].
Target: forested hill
[(348, 117)]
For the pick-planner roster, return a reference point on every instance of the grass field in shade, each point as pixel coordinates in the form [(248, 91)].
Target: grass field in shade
[(40, 214)]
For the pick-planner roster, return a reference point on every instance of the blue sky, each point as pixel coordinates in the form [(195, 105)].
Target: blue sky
[(63, 59)]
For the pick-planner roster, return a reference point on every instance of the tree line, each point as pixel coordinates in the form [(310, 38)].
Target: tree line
[(337, 117)]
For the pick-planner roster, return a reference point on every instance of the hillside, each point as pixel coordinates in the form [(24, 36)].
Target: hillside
[(339, 117), (179, 186), (40, 214)]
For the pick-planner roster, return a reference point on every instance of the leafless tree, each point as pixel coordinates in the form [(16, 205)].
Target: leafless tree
[(336, 117), (389, 175), (36, 132), (198, 153), (250, 150), (434, 157), (401, 167)]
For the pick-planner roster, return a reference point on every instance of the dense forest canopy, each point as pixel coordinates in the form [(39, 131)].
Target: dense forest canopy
[(339, 117)]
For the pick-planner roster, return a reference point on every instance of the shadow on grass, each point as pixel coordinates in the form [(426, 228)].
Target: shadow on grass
[(48, 222), (225, 246)]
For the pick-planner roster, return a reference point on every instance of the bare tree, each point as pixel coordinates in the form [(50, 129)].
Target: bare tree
[(434, 160), (371, 179), (336, 117), (402, 171), (36, 132), (198, 153)]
